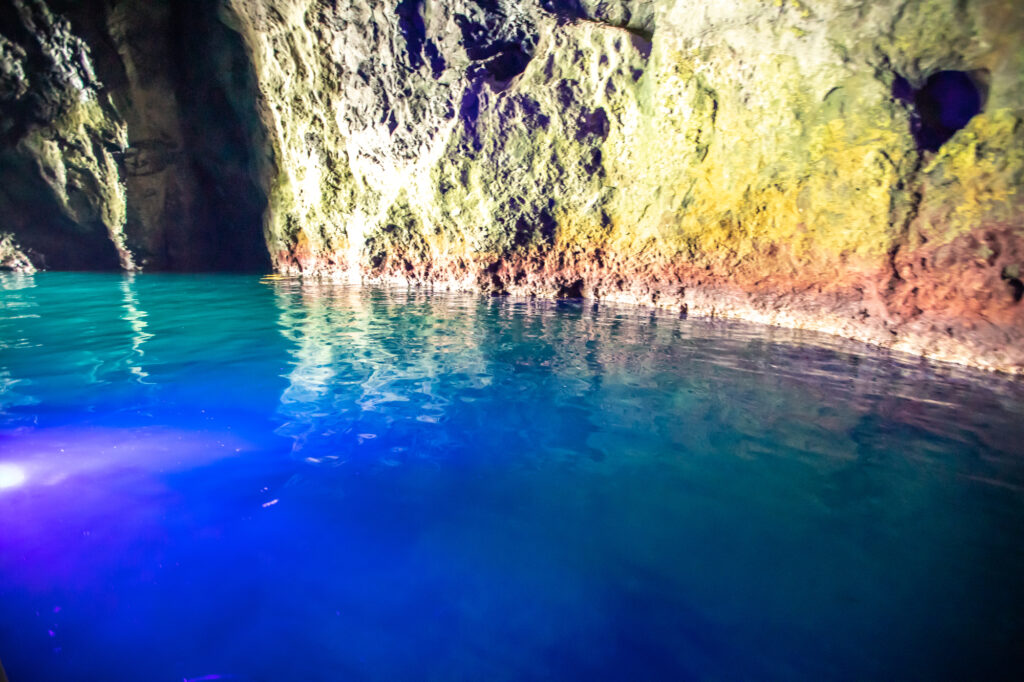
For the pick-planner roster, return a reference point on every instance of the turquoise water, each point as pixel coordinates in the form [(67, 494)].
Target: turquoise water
[(214, 477)]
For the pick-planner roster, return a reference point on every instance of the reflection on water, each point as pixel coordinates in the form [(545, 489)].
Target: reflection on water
[(217, 476), (366, 364), (136, 319)]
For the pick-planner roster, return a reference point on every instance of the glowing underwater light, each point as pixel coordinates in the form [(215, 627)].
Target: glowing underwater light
[(11, 475)]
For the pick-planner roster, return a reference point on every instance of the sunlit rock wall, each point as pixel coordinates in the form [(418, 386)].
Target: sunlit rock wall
[(768, 160)]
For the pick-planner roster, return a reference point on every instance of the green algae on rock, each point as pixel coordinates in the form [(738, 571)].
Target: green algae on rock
[(61, 196)]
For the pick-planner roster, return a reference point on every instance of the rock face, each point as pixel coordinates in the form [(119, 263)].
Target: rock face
[(61, 199), (127, 137), (842, 165)]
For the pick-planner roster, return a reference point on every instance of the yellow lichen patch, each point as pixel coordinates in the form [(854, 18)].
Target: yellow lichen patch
[(722, 177), (975, 178), (849, 198)]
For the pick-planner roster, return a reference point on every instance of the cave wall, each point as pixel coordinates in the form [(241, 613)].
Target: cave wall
[(773, 160), (129, 139), (787, 161), (61, 199)]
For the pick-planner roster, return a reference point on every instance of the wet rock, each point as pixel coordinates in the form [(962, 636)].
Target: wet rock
[(12, 258)]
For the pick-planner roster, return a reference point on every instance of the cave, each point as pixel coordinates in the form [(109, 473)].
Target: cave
[(944, 104), (216, 87), (511, 340), (210, 160), (499, 59)]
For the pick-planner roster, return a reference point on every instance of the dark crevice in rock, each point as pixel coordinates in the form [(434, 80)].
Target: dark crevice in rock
[(508, 63), (540, 232), (413, 30), (1011, 275), (500, 45), (469, 109), (635, 16), (1017, 288), (944, 104), (572, 289), (52, 239), (215, 88), (435, 58), (593, 123), (531, 112), (592, 166), (497, 57)]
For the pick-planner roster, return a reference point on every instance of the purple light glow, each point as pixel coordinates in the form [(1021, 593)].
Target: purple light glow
[(54, 455)]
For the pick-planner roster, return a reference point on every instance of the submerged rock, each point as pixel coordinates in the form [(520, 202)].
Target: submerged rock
[(841, 165)]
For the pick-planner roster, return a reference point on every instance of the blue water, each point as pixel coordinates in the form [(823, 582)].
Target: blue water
[(217, 477)]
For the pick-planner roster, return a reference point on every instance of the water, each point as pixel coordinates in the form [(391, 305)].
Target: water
[(215, 477)]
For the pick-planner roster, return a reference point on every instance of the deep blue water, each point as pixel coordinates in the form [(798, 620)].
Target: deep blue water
[(214, 477)]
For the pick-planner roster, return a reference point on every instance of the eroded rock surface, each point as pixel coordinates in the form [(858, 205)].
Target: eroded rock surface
[(61, 198), (841, 165), (127, 137)]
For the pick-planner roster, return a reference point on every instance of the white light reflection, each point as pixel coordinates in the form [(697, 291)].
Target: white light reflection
[(11, 476), (136, 318), (362, 362)]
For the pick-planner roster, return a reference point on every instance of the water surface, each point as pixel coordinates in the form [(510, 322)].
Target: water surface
[(217, 477)]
